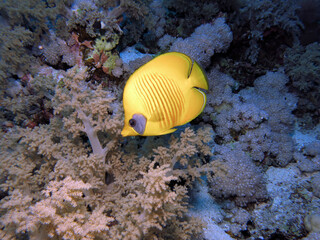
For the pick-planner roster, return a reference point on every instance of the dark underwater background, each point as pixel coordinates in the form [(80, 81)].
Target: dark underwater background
[(248, 167)]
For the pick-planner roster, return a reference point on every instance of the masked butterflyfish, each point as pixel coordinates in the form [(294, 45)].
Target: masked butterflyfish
[(163, 94)]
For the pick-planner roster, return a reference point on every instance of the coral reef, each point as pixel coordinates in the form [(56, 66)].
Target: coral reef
[(302, 66), (246, 168), (23, 26), (315, 184), (29, 101), (259, 118), (188, 15), (209, 38), (68, 182), (282, 184), (308, 12), (240, 181), (13, 43), (58, 51), (262, 17), (308, 157), (312, 223), (103, 57)]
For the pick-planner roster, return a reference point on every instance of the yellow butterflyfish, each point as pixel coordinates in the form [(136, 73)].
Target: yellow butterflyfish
[(163, 94)]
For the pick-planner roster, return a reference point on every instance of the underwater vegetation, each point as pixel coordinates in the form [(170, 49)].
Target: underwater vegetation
[(229, 121)]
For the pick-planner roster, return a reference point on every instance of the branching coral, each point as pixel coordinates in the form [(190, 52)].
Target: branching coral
[(78, 189), (62, 212), (152, 205), (87, 111), (16, 217), (138, 203)]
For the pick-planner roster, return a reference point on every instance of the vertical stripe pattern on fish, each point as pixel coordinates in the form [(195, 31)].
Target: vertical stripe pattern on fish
[(163, 94)]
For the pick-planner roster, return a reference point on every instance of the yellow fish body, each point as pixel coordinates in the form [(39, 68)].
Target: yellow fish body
[(163, 94)]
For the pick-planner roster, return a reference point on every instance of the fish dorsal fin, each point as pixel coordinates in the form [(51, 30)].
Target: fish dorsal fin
[(174, 65)]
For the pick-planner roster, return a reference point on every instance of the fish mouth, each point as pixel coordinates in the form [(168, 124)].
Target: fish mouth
[(128, 131), (125, 132)]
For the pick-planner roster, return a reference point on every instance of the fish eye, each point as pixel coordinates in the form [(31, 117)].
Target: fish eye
[(138, 123), (132, 122)]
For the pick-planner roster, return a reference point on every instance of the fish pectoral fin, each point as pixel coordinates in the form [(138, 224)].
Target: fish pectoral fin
[(168, 131), (196, 104), (156, 116)]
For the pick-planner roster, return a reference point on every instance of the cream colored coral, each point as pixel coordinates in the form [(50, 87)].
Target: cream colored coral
[(63, 212), (104, 188), (89, 111)]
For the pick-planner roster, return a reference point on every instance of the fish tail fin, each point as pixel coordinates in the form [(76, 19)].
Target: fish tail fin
[(198, 77), (197, 101)]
